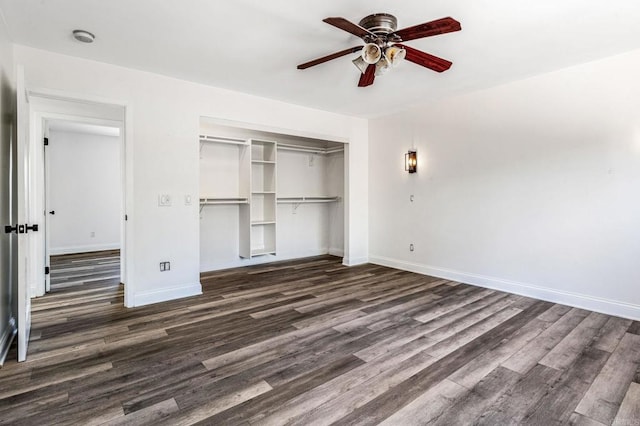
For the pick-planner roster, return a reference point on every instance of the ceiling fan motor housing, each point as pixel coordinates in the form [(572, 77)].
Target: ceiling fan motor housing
[(381, 24)]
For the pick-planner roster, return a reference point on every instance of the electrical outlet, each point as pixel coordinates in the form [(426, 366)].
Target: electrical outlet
[(165, 266), (411, 248)]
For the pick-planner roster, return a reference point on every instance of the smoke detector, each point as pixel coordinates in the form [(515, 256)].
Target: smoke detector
[(83, 36)]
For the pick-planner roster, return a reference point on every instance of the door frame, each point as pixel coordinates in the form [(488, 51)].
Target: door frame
[(126, 169)]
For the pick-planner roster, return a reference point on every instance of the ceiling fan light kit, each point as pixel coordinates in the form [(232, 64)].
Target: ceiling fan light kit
[(383, 49)]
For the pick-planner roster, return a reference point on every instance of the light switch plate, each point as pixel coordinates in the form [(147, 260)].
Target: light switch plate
[(187, 200), (164, 200)]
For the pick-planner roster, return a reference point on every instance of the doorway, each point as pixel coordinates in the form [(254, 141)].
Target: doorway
[(83, 197)]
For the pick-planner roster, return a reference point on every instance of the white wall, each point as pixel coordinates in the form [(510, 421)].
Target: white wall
[(530, 187), (85, 192), (7, 138), (163, 148)]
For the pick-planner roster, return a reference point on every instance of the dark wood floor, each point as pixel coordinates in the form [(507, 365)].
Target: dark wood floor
[(314, 342)]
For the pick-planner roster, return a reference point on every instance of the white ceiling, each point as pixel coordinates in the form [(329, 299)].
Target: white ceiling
[(254, 46)]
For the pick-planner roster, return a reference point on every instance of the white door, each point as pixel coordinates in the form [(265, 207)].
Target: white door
[(25, 274)]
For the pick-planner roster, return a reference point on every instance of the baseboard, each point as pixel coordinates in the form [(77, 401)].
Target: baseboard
[(82, 249), (166, 294), (259, 260), (583, 301), (353, 261), (6, 339)]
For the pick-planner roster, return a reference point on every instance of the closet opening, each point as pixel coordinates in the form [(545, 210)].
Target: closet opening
[(267, 196)]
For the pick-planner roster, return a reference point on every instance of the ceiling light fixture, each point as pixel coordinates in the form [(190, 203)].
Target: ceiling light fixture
[(83, 36), (384, 44)]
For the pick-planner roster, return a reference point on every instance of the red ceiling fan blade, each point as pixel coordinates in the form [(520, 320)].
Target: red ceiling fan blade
[(329, 57), (349, 27), (428, 29), (426, 60), (367, 78)]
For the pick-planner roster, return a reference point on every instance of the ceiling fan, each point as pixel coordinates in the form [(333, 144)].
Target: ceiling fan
[(383, 46)]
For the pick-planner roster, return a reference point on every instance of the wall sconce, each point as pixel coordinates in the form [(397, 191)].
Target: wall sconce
[(411, 161)]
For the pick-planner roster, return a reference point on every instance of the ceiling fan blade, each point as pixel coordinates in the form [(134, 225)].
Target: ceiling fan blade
[(369, 75), (428, 29), (329, 57), (350, 27), (426, 60)]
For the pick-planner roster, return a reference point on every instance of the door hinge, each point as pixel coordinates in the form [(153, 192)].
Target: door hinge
[(126, 217), (46, 270), (46, 141)]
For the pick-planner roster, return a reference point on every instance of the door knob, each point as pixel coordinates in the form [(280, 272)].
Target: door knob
[(52, 212)]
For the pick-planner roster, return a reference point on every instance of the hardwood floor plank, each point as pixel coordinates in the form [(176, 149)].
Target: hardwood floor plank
[(215, 406), (603, 399), (514, 404), (569, 348), (428, 406), (476, 369), (612, 333), (470, 405), (558, 403), (629, 412), (527, 357), (580, 420), (147, 415)]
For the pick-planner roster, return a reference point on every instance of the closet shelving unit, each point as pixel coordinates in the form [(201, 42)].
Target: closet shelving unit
[(263, 197), (256, 196)]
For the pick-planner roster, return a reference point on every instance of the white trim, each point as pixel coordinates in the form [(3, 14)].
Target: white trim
[(83, 249), (353, 261), (6, 339), (166, 294), (583, 301)]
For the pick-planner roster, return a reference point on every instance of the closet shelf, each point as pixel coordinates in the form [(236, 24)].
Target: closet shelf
[(263, 222), (304, 200), (262, 252), (309, 149), (223, 200), (219, 139), (263, 192), (262, 162)]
